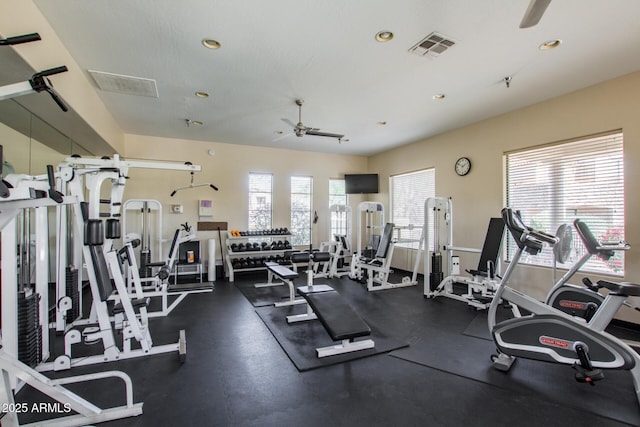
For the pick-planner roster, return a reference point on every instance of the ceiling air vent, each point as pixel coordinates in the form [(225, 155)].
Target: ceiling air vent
[(125, 84), (433, 45)]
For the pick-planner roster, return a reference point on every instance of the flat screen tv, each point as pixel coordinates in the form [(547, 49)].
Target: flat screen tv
[(363, 183)]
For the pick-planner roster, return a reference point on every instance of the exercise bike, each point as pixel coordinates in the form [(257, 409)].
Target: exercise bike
[(583, 301), (550, 335)]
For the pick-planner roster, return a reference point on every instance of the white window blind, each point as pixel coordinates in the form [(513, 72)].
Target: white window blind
[(301, 187), (555, 184), (260, 198), (408, 194), (337, 197)]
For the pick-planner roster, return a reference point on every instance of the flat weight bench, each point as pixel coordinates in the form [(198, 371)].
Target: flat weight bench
[(338, 318), (286, 275)]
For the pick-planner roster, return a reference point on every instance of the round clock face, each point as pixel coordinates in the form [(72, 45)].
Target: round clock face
[(463, 166)]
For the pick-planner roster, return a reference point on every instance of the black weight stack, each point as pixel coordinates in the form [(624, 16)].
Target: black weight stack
[(73, 293), (436, 276), (29, 332)]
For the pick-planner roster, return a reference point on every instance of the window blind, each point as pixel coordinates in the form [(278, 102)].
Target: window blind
[(301, 191), (555, 184), (260, 201), (408, 194)]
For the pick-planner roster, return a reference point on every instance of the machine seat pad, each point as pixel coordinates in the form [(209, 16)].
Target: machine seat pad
[(621, 288), (136, 303), (281, 271), (337, 316)]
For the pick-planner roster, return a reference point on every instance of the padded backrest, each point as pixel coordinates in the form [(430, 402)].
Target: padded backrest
[(343, 241), (590, 241), (173, 244), (492, 243), (105, 287), (385, 241)]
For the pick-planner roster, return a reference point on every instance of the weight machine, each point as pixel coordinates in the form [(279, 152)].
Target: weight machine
[(373, 264), (478, 289), (23, 192), (371, 222), (339, 247)]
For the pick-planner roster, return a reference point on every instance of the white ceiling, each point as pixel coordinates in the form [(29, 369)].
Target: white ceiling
[(325, 52)]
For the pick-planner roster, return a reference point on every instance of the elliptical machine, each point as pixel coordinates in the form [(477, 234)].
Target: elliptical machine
[(550, 335), (583, 301)]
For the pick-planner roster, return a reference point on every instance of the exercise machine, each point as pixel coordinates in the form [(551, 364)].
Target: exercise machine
[(23, 193), (370, 225), (551, 335), (142, 219), (442, 272), (339, 247), (582, 301)]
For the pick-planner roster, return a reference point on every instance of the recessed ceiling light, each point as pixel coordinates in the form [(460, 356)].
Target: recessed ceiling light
[(550, 44), (202, 94), (439, 96), (382, 123), (384, 36), (211, 44)]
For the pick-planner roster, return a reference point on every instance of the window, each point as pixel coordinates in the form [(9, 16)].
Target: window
[(301, 210), (408, 194), (555, 184), (338, 209), (260, 193)]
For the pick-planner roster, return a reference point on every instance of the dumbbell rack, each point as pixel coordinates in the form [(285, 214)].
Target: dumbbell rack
[(265, 252)]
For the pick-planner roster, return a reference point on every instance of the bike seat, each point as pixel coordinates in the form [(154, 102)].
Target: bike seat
[(622, 288)]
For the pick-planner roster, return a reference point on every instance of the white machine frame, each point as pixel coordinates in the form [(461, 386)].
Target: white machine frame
[(477, 287)]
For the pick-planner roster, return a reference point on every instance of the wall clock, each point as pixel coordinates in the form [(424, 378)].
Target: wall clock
[(463, 166)]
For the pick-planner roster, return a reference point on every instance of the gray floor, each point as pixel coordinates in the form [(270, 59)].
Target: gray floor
[(236, 374)]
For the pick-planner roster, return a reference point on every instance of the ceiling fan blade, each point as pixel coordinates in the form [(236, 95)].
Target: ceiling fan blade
[(289, 122), (534, 13), (318, 133)]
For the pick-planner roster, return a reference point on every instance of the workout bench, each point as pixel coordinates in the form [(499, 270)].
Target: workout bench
[(286, 275), (339, 319), (324, 303)]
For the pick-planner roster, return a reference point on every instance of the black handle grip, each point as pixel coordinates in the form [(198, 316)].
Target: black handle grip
[(55, 195), (26, 38), (51, 177), (52, 71), (213, 186), (58, 100)]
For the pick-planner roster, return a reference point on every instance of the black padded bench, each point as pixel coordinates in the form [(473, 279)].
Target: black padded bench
[(339, 319)]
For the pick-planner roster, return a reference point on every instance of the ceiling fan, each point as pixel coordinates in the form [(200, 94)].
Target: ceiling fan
[(301, 130), (534, 12)]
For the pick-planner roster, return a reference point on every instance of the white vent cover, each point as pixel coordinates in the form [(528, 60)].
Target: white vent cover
[(128, 85), (433, 45)]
